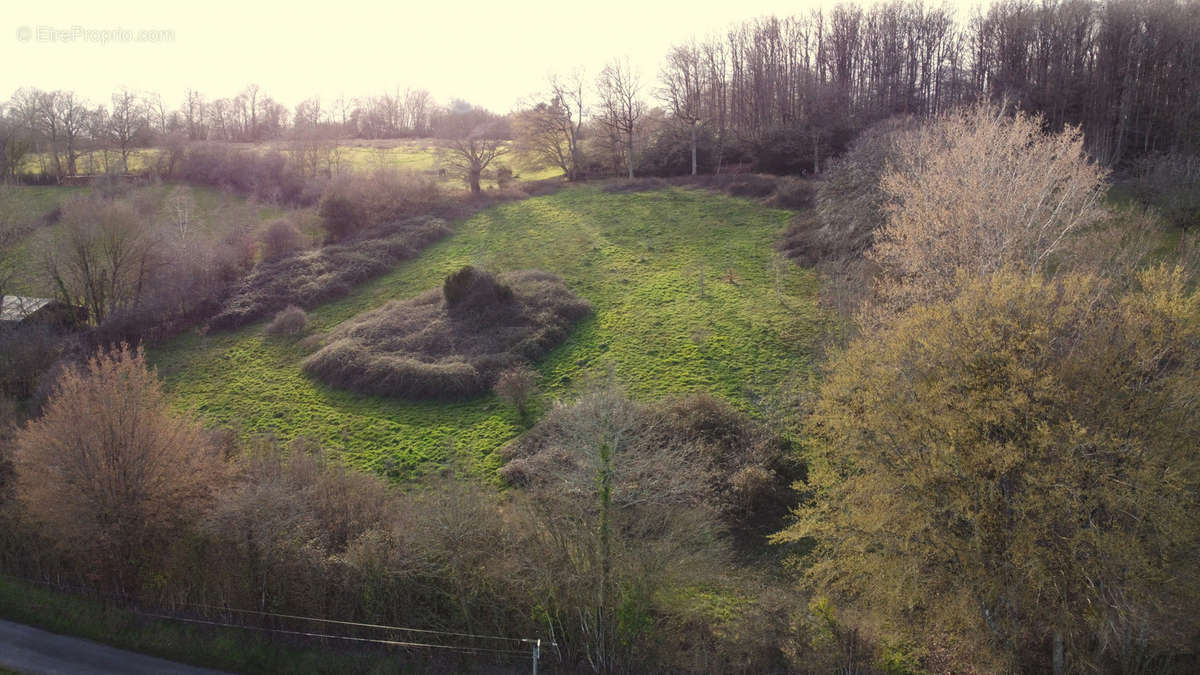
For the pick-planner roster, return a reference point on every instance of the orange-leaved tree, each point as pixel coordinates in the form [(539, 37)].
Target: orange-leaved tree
[(110, 469)]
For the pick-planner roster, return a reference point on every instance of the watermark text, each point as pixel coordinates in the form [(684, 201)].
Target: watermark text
[(44, 34)]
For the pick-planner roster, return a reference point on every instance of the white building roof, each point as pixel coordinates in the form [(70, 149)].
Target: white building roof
[(16, 308)]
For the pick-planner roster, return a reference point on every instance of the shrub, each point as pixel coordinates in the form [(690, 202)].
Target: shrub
[(1171, 184), (670, 152), (340, 214), (515, 386), (736, 467), (988, 191), (268, 176), (431, 347), (469, 288), (290, 320), (110, 469), (792, 193), (1013, 464), (25, 353), (280, 238), (353, 204), (315, 276), (623, 517), (850, 198)]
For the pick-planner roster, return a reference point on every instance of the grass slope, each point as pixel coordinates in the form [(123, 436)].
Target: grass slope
[(637, 257)]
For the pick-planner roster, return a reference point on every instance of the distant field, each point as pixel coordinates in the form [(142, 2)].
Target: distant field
[(215, 214), (638, 257), (357, 155)]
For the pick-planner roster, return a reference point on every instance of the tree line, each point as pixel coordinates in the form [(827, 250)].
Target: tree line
[(780, 94)]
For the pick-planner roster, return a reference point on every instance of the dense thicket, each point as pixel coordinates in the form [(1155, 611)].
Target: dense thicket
[(452, 342), (735, 466), (1124, 70), (1006, 451), (311, 277), (186, 520), (1012, 473)]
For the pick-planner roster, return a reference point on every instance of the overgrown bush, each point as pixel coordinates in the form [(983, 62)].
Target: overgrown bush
[(469, 288), (25, 353), (280, 238), (110, 469), (627, 510), (353, 204), (670, 152), (290, 320), (311, 277), (515, 386), (1171, 184), (449, 343), (982, 190), (736, 467), (792, 193), (850, 199), (268, 176)]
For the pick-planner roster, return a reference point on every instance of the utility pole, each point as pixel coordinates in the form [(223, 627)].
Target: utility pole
[(535, 647)]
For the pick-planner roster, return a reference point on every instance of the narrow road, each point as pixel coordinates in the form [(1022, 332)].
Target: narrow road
[(31, 650)]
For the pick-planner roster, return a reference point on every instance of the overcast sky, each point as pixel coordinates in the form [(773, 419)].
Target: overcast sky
[(490, 53)]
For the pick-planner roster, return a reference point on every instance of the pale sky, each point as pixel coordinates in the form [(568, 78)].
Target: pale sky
[(490, 53)]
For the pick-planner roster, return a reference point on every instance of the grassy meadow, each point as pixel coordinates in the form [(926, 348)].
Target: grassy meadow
[(417, 154), (687, 293)]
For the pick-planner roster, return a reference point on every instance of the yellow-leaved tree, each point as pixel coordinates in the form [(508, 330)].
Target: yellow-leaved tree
[(1014, 473)]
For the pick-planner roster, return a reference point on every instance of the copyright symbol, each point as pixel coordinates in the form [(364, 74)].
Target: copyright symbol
[(24, 33)]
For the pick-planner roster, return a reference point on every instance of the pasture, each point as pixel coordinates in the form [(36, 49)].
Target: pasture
[(687, 291)]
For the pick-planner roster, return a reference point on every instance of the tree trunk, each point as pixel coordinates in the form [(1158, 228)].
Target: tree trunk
[(474, 178), (816, 152), (693, 147), (1058, 657), (629, 154)]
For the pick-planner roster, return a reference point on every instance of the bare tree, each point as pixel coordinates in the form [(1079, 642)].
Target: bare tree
[(101, 255), (566, 95), (61, 118), (194, 115), (110, 468), (542, 131), (470, 140), (15, 142), (128, 119), (621, 104), (418, 105), (681, 90)]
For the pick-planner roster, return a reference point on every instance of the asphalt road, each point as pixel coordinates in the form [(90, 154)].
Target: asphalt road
[(30, 650)]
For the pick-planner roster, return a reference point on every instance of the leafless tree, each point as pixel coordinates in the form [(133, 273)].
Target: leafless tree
[(621, 103), (101, 256), (127, 120), (111, 469), (470, 141), (194, 115), (566, 96), (682, 90)]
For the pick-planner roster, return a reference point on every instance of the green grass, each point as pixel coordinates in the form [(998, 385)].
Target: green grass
[(417, 154), (421, 155), (231, 649), (637, 257), (90, 163)]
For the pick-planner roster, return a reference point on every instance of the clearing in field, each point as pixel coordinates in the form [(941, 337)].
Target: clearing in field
[(687, 296)]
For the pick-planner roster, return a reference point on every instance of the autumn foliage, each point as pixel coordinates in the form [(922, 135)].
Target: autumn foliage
[(110, 469)]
